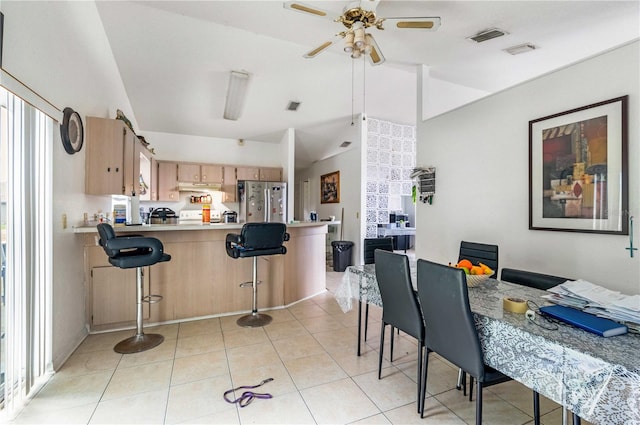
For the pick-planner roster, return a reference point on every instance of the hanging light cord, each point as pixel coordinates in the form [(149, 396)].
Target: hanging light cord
[(352, 96), (364, 66)]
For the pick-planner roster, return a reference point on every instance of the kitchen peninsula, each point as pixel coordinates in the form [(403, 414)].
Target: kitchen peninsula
[(200, 280)]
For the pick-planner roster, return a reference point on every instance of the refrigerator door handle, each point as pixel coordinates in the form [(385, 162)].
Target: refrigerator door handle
[(267, 205)]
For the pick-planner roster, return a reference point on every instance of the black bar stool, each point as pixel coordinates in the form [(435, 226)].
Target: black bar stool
[(256, 240), (127, 252)]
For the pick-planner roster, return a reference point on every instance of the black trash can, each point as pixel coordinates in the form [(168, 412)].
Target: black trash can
[(341, 255)]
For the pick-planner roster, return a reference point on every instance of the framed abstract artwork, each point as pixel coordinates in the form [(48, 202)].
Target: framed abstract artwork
[(578, 178)]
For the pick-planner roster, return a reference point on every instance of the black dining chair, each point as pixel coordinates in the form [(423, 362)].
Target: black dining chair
[(480, 253), (370, 245), (531, 279), (450, 329), (400, 307), (477, 253)]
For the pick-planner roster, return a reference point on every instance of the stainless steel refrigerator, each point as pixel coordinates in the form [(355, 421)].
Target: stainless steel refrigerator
[(262, 201)]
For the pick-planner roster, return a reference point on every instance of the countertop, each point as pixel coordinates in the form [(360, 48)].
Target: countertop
[(196, 226)]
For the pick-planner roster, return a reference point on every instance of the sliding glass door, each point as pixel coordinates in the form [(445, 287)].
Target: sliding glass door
[(26, 137)]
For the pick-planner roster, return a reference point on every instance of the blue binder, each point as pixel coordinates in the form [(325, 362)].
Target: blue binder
[(588, 322)]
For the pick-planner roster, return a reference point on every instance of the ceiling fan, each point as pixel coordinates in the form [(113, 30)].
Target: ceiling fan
[(357, 17)]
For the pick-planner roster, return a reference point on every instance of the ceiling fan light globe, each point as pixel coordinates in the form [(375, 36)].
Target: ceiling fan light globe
[(358, 37), (348, 48), (356, 54)]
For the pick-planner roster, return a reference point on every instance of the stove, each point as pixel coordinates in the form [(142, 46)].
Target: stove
[(195, 216)]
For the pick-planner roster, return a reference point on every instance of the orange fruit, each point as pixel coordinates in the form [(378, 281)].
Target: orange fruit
[(477, 270), (464, 263)]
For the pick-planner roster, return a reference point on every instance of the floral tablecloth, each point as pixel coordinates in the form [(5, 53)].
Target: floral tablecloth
[(597, 378)]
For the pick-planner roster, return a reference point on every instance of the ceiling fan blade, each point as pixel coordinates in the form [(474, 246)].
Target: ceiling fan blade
[(420, 23), (375, 57), (306, 9), (324, 46)]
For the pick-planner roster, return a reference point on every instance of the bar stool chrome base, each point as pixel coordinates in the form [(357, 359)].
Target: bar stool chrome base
[(254, 320), (138, 343)]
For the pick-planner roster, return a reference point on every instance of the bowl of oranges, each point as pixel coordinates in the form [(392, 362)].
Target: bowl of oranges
[(476, 274)]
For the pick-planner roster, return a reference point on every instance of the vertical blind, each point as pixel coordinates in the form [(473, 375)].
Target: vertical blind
[(27, 135)]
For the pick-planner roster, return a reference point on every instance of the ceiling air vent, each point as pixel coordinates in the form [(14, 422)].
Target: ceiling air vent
[(520, 48), (487, 35), (293, 106), (345, 144)]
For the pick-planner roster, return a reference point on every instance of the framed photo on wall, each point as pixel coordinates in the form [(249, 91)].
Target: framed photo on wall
[(330, 188), (578, 179)]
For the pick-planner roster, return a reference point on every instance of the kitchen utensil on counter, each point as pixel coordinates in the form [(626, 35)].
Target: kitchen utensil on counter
[(230, 217), (164, 215)]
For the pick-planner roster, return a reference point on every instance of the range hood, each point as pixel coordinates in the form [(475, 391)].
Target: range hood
[(199, 187)]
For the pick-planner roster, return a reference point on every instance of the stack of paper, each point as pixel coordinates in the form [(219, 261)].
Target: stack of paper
[(597, 300)]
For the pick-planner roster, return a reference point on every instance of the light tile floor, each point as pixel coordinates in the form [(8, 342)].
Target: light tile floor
[(308, 350)]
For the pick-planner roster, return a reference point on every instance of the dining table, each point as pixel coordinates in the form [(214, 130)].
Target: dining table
[(595, 377)]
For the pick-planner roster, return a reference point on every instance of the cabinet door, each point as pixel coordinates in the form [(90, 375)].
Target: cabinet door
[(143, 183), (131, 163), (211, 173), (104, 156), (189, 172), (168, 181), (248, 173), (113, 295), (229, 184), (271, 174), (153, 183)]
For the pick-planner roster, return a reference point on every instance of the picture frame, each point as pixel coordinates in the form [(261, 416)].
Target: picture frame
[(330, 188), (578, 177)]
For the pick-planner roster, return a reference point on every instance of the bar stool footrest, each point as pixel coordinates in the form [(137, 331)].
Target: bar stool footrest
[(152, 299), (249, 284)]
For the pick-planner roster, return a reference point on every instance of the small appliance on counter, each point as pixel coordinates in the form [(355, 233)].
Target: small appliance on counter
[(230, 217), (163, 215)]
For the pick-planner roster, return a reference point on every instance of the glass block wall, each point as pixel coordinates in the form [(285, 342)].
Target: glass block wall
[(391, 157)]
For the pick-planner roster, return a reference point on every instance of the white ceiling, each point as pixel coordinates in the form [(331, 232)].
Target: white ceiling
[(174, 58)]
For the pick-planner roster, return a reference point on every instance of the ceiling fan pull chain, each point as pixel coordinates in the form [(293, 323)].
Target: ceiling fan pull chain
[(364, 85), (352, 95)]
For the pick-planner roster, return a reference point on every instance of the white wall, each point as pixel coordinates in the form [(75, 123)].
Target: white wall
[(181, 147), (60, 51), (439, 96), (481, 154), (349, 164)]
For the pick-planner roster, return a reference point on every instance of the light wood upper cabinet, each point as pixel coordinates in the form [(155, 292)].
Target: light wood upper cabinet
[(189, 172), (248, 173), (168, 181), (112, 165), (154, 180), (210, 173), (147, 184), (199, 173), (104, 163), (271, 174), (229, 184)]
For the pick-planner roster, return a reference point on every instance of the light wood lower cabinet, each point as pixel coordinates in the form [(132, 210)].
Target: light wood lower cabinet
[(113, 295), (202, 280)]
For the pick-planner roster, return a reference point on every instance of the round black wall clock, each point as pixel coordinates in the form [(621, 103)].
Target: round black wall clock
[(71, 131)]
